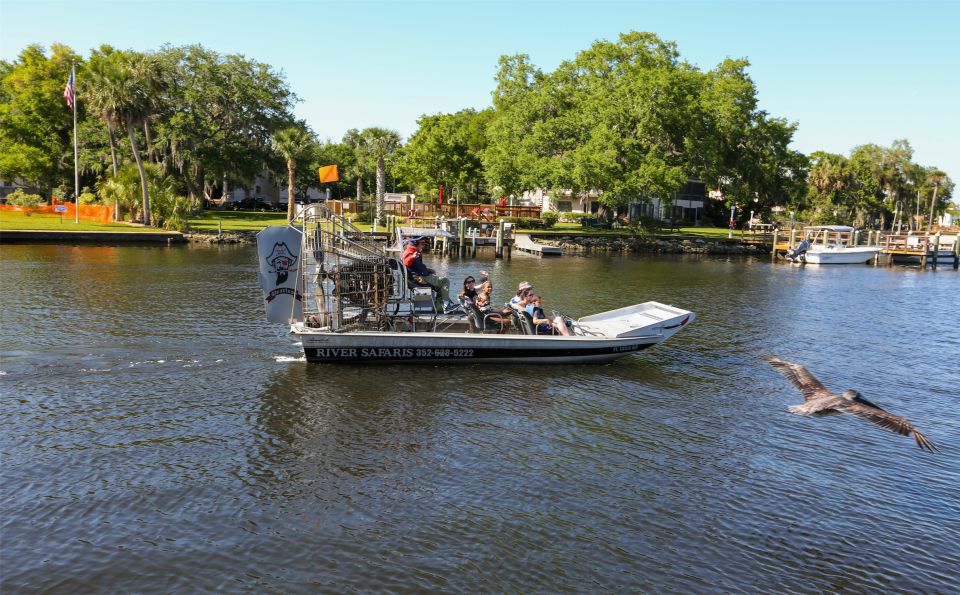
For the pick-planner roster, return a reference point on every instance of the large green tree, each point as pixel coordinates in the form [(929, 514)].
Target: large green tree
[(36, 133), (630, 119), (216, 117), (446, 149)]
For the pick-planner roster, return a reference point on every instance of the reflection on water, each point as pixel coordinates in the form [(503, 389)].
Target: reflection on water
[(155, 427)]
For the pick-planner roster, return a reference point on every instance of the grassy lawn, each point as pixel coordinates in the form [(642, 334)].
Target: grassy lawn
[(255, 221), (18, 220), (235, 220)]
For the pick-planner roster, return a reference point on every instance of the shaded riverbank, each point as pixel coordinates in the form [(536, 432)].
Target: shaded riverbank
[(652, 245)]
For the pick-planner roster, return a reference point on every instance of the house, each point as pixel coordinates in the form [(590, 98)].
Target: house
[(263, 187), (8, 186), (686, 205)]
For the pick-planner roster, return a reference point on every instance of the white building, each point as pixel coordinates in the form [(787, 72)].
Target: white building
[(686, 204)]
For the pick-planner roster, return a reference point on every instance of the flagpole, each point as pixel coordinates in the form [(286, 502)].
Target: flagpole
[(76, 171)]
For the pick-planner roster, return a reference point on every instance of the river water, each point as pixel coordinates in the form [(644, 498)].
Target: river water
[(159, 435)]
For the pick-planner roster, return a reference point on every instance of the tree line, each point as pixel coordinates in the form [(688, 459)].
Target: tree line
[(626, 121)]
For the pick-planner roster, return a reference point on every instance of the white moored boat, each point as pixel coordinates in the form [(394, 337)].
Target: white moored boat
[(348, 300), (825, 245)]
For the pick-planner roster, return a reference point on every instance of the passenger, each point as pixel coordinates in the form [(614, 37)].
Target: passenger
[(544, 324), (469, 291), (487, 287), (483, 304), (524, 288), (424, 275)]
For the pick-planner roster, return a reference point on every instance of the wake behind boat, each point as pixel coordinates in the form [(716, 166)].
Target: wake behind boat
[(348, 300)]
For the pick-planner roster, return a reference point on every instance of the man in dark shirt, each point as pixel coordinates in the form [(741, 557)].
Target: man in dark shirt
[(424, 275)]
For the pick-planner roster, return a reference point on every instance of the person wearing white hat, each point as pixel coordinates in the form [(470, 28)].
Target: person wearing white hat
[(523, 290)]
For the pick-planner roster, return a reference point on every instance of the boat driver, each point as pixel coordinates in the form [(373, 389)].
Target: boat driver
[(424, 275)]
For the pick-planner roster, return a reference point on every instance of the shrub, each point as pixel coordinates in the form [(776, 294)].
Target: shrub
[(89, 198), (364, 216), (549, 218), (573, 217), (525, 222), (20, 198)]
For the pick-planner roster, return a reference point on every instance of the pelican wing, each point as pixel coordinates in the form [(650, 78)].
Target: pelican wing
[(800, 377), (886, 420)]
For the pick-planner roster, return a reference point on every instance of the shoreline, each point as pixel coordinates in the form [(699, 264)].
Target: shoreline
[(23, 236), (569, 243)]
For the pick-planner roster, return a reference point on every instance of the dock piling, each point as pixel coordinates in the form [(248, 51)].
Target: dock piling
[(956, 252), (500, 226), (936, 249)]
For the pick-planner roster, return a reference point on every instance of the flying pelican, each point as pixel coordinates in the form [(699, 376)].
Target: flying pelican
[(819, 402)]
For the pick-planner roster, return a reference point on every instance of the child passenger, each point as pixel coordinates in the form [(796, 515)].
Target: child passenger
[(544, 324), (483, 304)]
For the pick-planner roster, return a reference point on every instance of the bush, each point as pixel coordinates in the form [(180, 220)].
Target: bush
[(549, 218), (572, 217), (525, 222), (89, 198), (364, 217), (20, 198)]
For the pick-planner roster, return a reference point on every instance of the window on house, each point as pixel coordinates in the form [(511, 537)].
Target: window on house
[(564, 206)]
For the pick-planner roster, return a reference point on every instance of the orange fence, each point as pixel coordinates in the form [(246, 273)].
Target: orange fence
[(92, 213)]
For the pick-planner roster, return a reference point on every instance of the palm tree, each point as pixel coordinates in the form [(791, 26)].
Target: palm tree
[(101, 99), (134, 107), (125, 97), (354, 140), (292, 143), (381, 143)]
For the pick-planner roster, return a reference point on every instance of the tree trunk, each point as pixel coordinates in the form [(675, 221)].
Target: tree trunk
[(113, 147), (381, 184), (359, 190), (143, 174), (933, 205), (149, 142), (113, 161), (291, 205)]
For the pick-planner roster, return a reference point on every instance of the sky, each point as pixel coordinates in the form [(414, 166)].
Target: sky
[(848, 73)]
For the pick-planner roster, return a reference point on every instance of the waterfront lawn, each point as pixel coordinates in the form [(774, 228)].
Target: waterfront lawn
[(20, 221), (207, 221)]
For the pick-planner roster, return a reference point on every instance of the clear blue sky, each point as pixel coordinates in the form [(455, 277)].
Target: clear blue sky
[(848, 73)]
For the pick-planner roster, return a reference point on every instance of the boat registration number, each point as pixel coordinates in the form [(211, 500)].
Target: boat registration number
[(390, 353), (444, 352)]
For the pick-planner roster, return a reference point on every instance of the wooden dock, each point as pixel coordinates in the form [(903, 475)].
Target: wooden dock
[(458, 237), (525, 243)]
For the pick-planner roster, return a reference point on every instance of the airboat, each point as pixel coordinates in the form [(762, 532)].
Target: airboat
[(347, 297)]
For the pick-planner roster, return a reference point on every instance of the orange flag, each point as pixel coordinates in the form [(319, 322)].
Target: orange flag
[(328, 173)]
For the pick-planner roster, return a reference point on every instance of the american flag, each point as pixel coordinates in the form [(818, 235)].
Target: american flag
[(69, 90)]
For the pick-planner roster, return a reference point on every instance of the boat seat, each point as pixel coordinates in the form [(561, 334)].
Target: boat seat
[(520, 323), (480, 322), (532, 329)]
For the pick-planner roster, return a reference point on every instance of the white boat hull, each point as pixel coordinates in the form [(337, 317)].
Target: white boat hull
[(600, 338), (840, 255)]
